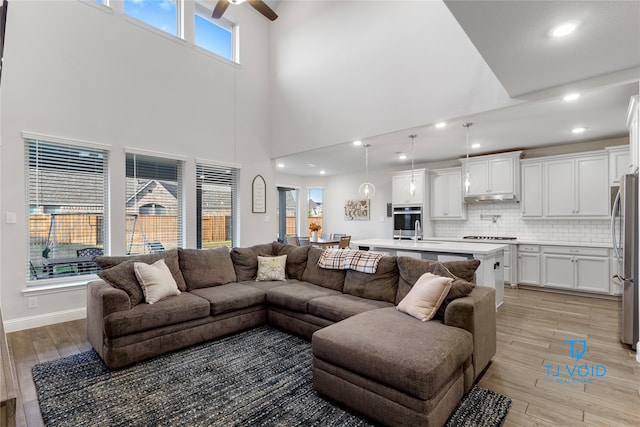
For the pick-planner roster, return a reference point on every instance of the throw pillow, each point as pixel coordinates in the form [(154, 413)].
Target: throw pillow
[(156, 281), (123, 276), (206, 268), (459, 288), (425, 296), (271, 268)]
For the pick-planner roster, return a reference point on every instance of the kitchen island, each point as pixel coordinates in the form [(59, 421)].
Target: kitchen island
[(491, 256)]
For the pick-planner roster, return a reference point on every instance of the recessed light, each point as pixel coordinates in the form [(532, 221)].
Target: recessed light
[(563, 29), (571, 97), (476, 145), (311, 165), (280, 165), (322, 172), (358, 142), (578, 130), (402, 156), (441, 124)]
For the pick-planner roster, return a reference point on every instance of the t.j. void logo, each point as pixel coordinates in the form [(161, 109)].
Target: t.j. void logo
[(583, 373)]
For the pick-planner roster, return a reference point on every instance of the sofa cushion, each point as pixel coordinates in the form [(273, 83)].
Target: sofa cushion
[(204, 268), (271, 268), (230, 297), (245, 260), (296, 296), (296, 259), (426, 296), (411, 269), (396, 350), (266, 285), (339, 307), (332, 279), (169, 311), (459, 288), (156, 281), (132, 287), (381, 285)]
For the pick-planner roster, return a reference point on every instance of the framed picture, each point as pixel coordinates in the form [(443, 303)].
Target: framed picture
[(356, 210), (259, 195)]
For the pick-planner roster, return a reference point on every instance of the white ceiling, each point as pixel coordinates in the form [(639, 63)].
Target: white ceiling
[(601, 60)]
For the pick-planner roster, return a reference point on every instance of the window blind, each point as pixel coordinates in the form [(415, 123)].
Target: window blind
[(66, 197), (217, 205), (153, 203)]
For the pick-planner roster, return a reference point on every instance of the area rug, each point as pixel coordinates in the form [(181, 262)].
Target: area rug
[(257, 377)]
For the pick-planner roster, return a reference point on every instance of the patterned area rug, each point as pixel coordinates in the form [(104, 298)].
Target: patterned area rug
[(257, 377)]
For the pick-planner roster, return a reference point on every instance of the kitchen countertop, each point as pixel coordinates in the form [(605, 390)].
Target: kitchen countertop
[(523, 242), (433, 245)]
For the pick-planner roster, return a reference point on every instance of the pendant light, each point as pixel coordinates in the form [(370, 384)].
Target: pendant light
[(467, 182), (412, 185), (367, 189)]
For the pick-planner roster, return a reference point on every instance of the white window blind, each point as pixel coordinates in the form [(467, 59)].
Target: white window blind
[(153, 203), (66, 196), (217, 190)]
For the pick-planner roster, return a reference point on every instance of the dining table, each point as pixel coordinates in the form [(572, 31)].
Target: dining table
[(324, 243)]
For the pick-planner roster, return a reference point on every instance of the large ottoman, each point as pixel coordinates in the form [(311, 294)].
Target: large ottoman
[(393, 368)]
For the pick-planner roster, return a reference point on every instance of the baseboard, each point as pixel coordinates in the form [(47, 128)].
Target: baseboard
[(638, 352), (39, 320)]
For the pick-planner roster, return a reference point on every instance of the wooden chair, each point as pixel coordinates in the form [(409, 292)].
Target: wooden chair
[(344, 242), (291, 240)]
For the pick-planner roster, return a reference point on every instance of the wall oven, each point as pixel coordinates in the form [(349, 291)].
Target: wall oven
[(405, 221)]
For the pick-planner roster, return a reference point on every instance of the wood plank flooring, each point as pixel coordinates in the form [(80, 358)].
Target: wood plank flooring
[(532, 327)]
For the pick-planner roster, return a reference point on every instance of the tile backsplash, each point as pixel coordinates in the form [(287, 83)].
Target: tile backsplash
[(510, 223)]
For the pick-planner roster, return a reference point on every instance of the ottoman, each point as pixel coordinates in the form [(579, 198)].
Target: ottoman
[(393, 368)]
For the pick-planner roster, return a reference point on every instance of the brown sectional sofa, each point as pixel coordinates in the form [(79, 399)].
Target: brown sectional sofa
[(368, 356)]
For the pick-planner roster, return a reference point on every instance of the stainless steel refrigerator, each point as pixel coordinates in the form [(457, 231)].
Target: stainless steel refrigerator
[(625, 244)]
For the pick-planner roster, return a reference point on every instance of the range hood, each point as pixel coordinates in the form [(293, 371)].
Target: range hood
[(479, 198)]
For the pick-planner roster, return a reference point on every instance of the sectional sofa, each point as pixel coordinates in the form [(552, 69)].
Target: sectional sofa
[(367, 355)]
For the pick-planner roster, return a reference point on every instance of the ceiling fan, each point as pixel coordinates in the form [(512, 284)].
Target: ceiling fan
[(258, 5)]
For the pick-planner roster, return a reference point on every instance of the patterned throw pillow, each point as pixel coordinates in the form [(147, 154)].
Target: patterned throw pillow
[(271, 268)]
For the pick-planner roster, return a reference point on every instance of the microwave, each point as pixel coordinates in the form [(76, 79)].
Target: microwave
[(404, 222)]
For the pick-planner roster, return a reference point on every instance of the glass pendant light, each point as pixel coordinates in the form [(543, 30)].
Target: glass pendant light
[(367, 189), (467, 182), (412, 185)]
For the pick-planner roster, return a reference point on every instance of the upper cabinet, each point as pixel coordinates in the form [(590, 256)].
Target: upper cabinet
[(446, 200), (531, 195), (576, 185), (633, 124), (495, 176), (619, 163), (401, 187)]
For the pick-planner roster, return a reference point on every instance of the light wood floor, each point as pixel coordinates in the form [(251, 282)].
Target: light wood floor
[(532, 327)]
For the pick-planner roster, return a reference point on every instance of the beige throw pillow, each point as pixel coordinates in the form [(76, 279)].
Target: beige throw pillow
[(271, 268), (156, 281), (425, 296)]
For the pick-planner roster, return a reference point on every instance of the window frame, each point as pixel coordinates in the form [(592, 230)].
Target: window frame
[(225, 23)]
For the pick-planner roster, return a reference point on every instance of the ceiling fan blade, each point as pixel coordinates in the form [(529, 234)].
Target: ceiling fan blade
[(262, 7), (220, 8)]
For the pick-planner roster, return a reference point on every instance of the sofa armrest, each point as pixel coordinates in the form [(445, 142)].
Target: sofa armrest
[(476, 313), (102, 299)]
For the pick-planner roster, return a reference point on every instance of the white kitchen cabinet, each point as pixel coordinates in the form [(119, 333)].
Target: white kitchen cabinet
[(493, 174), (633, 124), (531, 193), (576, 186), (529, 264), (619, 161), (446, 200), (400, 185), (573, 267)]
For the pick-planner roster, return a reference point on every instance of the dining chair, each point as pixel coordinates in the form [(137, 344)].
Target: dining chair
[(304, 241), (291, 240), (89, 252), (337, 236), (344, 242)]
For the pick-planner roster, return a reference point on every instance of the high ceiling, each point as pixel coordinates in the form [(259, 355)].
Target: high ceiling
[(600, 60)]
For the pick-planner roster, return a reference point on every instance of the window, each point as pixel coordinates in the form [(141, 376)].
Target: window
[(153, 204), (314, 209), (161, 14), (287, 204), (217, 192), (213, 35), (66, 194)]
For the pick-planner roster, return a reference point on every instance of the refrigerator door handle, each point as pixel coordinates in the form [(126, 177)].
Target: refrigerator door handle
[(614, 210), (622, 279)]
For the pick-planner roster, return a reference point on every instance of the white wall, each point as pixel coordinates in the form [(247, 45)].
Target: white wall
[(337, 77), (79, 71)]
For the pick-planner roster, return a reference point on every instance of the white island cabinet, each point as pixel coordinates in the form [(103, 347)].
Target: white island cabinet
[(491, 256)]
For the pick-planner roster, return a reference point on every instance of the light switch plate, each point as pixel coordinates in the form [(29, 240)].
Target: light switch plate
[(11, 218)]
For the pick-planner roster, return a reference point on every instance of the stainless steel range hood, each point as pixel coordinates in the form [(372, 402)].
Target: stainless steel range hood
[(479, 198)]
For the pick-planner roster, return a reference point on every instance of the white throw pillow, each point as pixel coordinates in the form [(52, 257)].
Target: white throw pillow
[(271, 268), (426, 296), (156, 281)]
